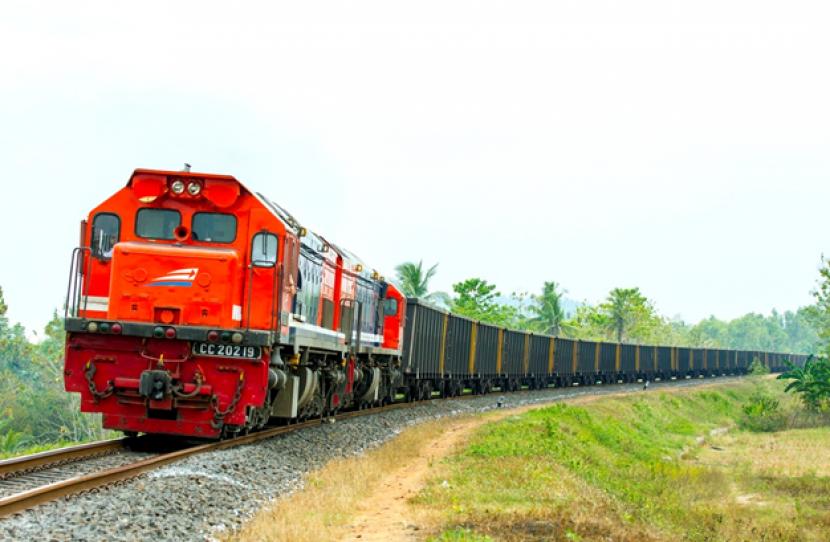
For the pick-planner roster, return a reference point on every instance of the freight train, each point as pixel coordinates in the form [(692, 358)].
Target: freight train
[(198, 307)]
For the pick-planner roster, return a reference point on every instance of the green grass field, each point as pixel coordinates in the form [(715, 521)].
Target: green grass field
[(657, 466)]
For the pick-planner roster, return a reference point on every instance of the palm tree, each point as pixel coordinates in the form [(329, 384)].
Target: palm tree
[(414, 282), (550, 317), (622, 308)]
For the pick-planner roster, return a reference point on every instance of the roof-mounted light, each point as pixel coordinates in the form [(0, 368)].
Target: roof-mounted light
[(194, 188), (177, 187)]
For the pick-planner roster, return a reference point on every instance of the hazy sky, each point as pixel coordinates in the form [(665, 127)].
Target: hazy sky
[(681, 147)]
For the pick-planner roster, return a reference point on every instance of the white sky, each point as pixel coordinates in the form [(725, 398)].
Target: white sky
[(681, 147)]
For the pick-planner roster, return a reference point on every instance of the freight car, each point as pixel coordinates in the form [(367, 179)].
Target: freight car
[(447, 353), (198, 307)]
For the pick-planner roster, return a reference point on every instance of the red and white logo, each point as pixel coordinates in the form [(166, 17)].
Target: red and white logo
[(179, 277)]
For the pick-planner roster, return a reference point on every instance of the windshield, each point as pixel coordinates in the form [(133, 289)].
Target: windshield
[(214, 227), (157, 223)]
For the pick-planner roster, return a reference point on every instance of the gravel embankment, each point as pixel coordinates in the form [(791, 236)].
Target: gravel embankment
[(213, 492)]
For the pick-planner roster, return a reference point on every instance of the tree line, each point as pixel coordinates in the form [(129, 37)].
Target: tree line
[(625, 315), (35, 408)]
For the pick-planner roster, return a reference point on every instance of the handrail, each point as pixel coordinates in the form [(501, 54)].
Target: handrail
[(276, 307), (74, 286), (249, 297)]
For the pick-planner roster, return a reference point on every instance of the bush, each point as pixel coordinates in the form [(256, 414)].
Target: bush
[(811, 382), (762, 413), (756, 368)]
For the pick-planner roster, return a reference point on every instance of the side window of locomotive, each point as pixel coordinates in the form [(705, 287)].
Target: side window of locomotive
[(390, 307), (264, 250), (214, 227), (106, 228), (157, 223)]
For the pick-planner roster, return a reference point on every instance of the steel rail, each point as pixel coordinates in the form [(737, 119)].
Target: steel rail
[(50, 492), (12, 466)]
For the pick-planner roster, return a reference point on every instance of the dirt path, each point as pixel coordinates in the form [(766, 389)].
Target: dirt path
[(387, 517)]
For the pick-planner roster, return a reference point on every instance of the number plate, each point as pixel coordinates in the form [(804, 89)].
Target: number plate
[(227, 350)]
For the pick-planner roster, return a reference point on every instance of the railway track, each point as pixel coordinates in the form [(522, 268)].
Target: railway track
[(28, 481), (31, 480)]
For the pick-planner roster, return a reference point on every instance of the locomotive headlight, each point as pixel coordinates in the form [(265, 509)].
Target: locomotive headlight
[(177, 187), (236, 337), (194, 188)]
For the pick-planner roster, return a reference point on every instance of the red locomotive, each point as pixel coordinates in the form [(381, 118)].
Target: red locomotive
[(198, 307)]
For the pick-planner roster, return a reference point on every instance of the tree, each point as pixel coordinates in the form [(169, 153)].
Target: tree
[(476, 298), (819, 314), (3, 306), (414, 281), (628, 313), (34, 408), (802, 335), (710, 333), (550, 317)]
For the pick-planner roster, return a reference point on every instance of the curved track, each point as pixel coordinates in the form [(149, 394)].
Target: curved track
[(31, 480)]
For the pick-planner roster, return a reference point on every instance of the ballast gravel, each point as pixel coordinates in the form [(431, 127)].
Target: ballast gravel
[(203, 496)]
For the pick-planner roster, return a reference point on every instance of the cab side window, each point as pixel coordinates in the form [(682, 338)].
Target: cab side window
[(390, 307), (106, 229), (264, 250)]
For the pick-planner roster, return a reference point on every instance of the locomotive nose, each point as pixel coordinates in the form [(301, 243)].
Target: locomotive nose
[(176, 285)]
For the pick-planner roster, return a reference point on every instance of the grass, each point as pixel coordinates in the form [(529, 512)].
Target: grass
[(36, 448), (660, 466)]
